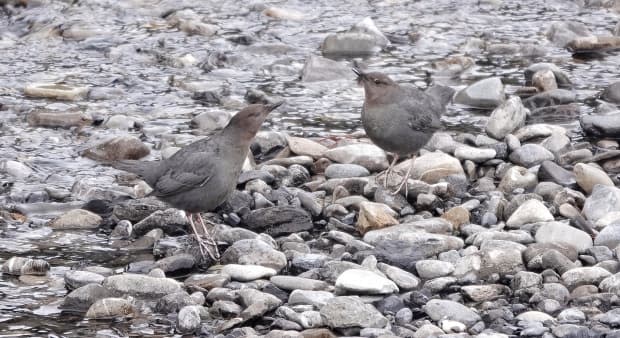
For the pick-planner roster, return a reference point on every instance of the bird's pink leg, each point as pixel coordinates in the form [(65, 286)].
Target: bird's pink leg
[(405, 179), (388, 171), (201, 245), (215, 255)]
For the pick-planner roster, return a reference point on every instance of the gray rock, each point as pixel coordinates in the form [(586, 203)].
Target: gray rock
[(15, 169), (612, 93), (257, 303), (256, 252), (506, 118), (583, 276), (561, 33), (188, 319), (603, 200), (487, 292), (517, 178), (439, 309), (141, 285), (20, 266), (211, 120), (118, 148), (76, 219), (75, 279), (246, 273), (308, 297), (571, 316), (350, 312), (550, 98), (225, 309), (171, 221), (318, 68), (500, 258), (366, 155), (601, 125), (429, 269), (475, 154), (305, 262), (307, 147), (609, 236), (135, 210), (526, 280), (290, 283), (560, 233), (174, 302), (364, 38), (83, 297), (550, 171), (176, 263), (110, 308), (560, 76), (553, 259), (278, 220), (486, 93), (532, 211), (338, 170), (534, 316), (364, 282), (433, 166), (530, 155)]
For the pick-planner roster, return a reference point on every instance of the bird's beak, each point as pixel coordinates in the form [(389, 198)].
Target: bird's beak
[(273, 106), (360, 75)]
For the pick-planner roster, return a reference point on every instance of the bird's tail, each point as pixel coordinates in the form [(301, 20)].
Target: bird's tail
[(146, 170), (443, 94)]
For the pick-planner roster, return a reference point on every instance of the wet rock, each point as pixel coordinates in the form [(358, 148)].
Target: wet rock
[(530, 155), (76, 219), (375, 216), (560, 76), (307, 147), (601, 125), (147, 241), (283, 13), (338, 170), (118, 148), (318, 68), (611, 284), (517, 177), (191, 23), (278, 220), (51, 119), (15, 169), (603, 200), (612, 93), (173, 302), (562, 113), (171, 221), (588, 176), (20, 266), (561, 33), (290, 283), (55, 91), (560, 233), (532, 211), (188, 319), (75, 279), (141, 285), (364, 38), (594, 44), (110, 308), (429, 269), (135, 210), (257, 303), (364, 282), (487, 93), (246, 273), (83, 297), (550, 98), (439, 309), (583, 276), (609, 236), (122, 230), (208, 282), (176, 263), (452, 65), (255, 252), (350, 312), (368, 156), (474, 154), (211, 120), (544, 80), (550, 171), (506, 118), (431, 167)]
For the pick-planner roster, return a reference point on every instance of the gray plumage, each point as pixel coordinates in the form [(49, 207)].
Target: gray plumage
[(200, 176), (401, 119)]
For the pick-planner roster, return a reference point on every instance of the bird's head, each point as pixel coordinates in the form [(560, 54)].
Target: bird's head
[(249, 119), (375, 83)]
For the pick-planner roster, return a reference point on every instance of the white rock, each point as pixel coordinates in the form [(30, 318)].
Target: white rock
[(534, 316), (475, 154), (506, 118), (556, 232), (55, 91), (486, 93), (431, 167), (368, 156), (304, 146), (246, 273), (365, 282), (15, 169), (588, 176), (531, 211), (584, 275)]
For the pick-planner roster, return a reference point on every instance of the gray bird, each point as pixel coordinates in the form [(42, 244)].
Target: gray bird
[(400, 119), (199, 177)]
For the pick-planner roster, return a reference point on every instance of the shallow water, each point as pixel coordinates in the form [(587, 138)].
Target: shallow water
[(130, 47)]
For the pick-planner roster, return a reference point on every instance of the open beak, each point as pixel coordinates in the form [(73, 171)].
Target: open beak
[(273, 106), (360, 75)]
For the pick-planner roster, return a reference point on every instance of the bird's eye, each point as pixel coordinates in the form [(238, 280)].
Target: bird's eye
[(377, 81)]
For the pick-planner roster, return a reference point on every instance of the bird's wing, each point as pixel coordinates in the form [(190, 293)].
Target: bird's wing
[(423, 112), (194, 172)]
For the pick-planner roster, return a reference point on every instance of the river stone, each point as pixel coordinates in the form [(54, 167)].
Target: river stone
[(365, 282), (309, 297), (534, 316), (417, 232), (304, 146), (517, 178), (374, 216), (141, 285), (404, 280), (172, 303), (602, 201), (588, 176), (474, 154), (211, 120), (171, 221), (529, 155), (429, 269), (83, 297), (118, 148), (550, 98), (531, 211), (594, 44), (584, 276), (364, 38), (486, 93), (110, 308), (53, 119), (609, 236), (433, 166), (506, 118), (350, 312), (550, 171), (257, 303), (254, 252), (368, 156), (188, 319), (612, 93), (338, 170), (135, 210), (561, 33), (560, 233), (439, 309), (560, 76), (246, 273), (487, 292), (289, 283), (178, 262), (318, 68), (76, 219), (601, 125), (544, 80), (278, 220), (611, 284), (75, 279), (55, 91), (501, 258)]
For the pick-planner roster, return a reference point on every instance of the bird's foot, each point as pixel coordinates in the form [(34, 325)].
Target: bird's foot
[(206, 244), (388, 171), (209, 239), (405, 180)]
